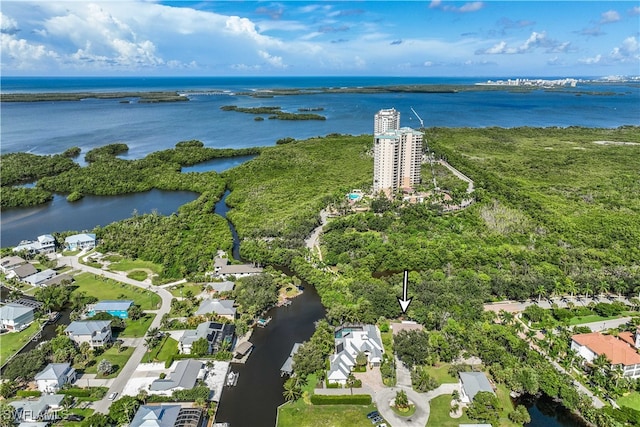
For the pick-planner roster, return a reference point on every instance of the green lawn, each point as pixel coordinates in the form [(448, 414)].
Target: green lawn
[(85, 412), (300, 414), (441, 374), (128, 265), (138, 275), (592, 318), (631, 400), (387, 341), (439, 416), (107, 289), (181, 289), (137, 328), (117, 359), (11, 342), (162, 352)]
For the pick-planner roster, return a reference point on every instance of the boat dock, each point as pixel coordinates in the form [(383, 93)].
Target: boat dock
[(287, 366), (242, 352), (262, 322)]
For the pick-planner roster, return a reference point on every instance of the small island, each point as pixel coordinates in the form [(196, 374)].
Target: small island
[(276, 113)]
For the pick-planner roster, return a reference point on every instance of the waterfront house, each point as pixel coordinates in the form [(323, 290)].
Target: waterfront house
[(44, 244), (621, 351), (15, 317), (40, 277), (58, 280), (222, 308), (8, 263), (349, 342), (22, 271), (471, 383), (287, 366), (77, 242), (116, 308), (45, 408), (215, 334), (95, 332), (224, 270), (184, 377), (167, 415), (54, 376)]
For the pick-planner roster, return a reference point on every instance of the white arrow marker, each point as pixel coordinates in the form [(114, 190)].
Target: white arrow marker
[(404, 302)]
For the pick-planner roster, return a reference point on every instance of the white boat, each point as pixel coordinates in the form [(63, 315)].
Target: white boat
[(232, 379)]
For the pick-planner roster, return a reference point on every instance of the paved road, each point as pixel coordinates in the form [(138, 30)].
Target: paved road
[(562, 302), (120, 381)]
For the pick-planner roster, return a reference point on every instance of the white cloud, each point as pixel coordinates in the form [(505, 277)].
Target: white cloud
[(8, 25), (536, 40), (467, 7), (591, 61), (634, 11), (609, 17), (629, 51), (274, 61)]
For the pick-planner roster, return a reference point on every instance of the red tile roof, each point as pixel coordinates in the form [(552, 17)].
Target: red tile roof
[(616, 350)]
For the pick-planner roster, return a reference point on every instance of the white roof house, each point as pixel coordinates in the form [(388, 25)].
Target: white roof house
[(222, 286), (222, 308), (54, 376), (80, 242), (472, 383), (166, 415), (40, 277), (96, 332), (358, 339), (33, 410), (45, 243), (15, 317)]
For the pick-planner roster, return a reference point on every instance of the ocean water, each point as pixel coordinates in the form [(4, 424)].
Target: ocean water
[(52, 127)]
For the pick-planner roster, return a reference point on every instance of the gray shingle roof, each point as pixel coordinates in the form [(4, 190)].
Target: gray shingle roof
[(474, 382), (53, 371), (87, 327), (184, 376), (24, 270), (13, 311), (221, 307), (113, 305), (156, 416)]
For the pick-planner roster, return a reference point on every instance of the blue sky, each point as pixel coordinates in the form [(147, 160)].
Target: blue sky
[(300, 38)]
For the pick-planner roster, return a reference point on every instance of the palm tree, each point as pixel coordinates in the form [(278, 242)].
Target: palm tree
[(619, 286), (505, 317), (587, 289), (291, 390), (602, 288), (351, 382), (558, 288), (570, 286), (541, 290)]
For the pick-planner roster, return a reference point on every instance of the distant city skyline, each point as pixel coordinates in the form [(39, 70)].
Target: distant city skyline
[(300, 38)]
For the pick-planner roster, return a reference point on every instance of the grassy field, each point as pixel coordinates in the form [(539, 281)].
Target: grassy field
[(441, 373), (592, 318), (117, 359), (107, 289), (176, 290), (162, 352), (137, 328), (138, 275), (631, 400), (302, 415), (128, 265), (13, 341)]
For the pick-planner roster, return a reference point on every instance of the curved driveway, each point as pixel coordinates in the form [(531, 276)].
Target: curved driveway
[(119, 382)]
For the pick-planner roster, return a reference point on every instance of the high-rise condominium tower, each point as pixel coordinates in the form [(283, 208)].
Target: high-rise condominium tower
[(385, 120), (397, 153)]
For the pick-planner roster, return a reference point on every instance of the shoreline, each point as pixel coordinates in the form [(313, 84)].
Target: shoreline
[(183, 95)]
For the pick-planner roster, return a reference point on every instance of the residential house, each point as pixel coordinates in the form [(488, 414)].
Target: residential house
[(225, 286), (8, 263), (185, 376), (95, 332), (215, 334), (621, 351), (223, 308), (349, 342), (44, 244), (45, 408), (22, 271), (40, 277), (167, 415), (471, 383), (15, 317), (54, 376), (77, 242), (116, 308), (223, 270), (58, 280)]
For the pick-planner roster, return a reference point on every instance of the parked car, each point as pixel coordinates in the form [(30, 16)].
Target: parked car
[(74, 417), (373, 414), (113, 395)]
